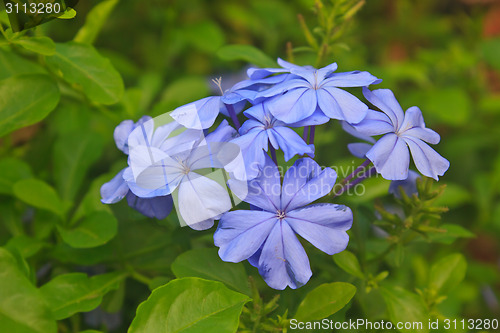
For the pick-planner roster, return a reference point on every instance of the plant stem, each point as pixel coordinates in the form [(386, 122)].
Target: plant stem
[(356, 171), (355, 182), (311, 134), (305, 133)]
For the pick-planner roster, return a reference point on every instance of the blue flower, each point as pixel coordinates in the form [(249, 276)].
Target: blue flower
[(260, 130), (117, 189), (308, 90), (267, 237), (401, 130), (161, 164)]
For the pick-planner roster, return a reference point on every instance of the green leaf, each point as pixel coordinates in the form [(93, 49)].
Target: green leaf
[(246, 53), (25, 100), (206, 264), (404, 306), (68, 14), (82, 65), (39, 194), (94, 22), (93, 230), (73, 155), (12, 64), (41, 45), (349, 263), (75, 292), (12, 171), (491, 50), (325, 300), (25, 245), (190, 305), (22, 308), (447, 273)]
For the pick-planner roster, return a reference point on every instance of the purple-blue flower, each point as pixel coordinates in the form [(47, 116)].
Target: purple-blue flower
[(161, 163), (261, 129), (117, 189), (400, 131), (267, 237), (308, 90)]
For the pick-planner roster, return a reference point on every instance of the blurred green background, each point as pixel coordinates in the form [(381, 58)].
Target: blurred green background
[(443, 56)]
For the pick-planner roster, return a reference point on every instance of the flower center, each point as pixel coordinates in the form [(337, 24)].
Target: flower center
[(280, 214)]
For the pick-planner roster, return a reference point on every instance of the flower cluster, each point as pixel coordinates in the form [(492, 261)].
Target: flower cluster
[(176, 161)]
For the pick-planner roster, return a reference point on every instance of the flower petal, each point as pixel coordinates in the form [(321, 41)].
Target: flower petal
[(426, 159), (283, 261), (282, 87), (201, 198), (384, 99), (391, 157), (241, 233), (359, 149), (263, 191), (351, 130), (322, 225), (346, 107), (305, 182), (350, 79), (375, 123), (317, 118), (290, 142), (198, 115), (293, 106), (157, 207), (114, 190), (414, 126)]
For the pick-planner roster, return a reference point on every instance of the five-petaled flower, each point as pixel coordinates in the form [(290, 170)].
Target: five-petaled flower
[(400, 130), (267, 237), (309, 91)]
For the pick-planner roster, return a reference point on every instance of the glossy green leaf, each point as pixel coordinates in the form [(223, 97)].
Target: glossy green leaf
[(13, 170), (190, 305), (41, 45), (25, 100), (246, 53), (206, 264), (12, 64), (39, 194), (73, 155), (75, 292), (349, 263), (325, 300), (94, 21), (22, 308), (93, 230), (447, 273), (404, 306), (82, 65)]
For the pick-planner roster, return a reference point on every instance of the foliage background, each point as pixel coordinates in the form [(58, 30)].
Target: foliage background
[(443, 56)]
